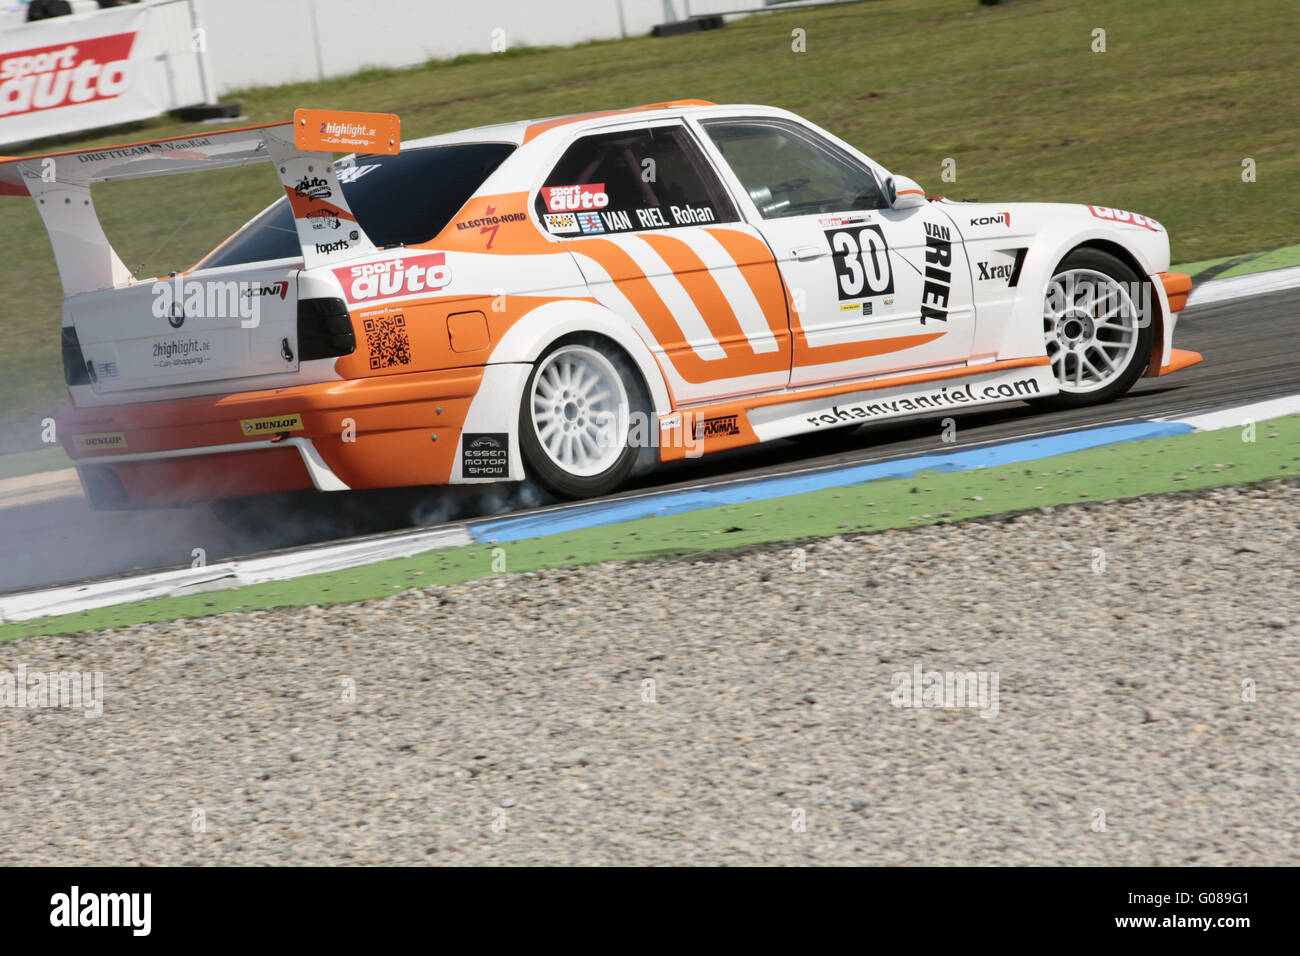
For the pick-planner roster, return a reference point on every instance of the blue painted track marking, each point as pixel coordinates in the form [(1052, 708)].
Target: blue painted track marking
[(600, 513)]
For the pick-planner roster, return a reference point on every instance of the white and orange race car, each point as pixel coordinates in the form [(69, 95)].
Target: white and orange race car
[(554, 300)]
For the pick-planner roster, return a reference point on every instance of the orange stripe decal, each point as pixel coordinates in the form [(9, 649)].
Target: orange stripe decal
[(689, 269), (759, 270), (541, 126), (638, 290)]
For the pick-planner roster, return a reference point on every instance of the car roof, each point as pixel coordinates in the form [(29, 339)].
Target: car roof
[(523, 131)]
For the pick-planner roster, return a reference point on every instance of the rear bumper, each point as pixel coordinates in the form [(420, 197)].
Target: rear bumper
[(388, 431)]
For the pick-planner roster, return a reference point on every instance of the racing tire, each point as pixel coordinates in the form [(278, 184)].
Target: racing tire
[(576, 418), (1097, 337)]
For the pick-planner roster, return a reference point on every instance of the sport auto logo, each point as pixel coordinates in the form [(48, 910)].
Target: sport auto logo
[(574, 198), (408, 275), (49, 77)]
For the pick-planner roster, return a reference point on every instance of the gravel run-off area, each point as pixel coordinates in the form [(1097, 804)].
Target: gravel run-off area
[(740, 709)]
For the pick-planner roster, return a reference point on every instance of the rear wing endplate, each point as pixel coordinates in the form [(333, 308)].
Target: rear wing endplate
[(302, 152)]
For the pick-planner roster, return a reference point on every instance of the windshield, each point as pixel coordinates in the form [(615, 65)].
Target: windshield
[(399, 200)]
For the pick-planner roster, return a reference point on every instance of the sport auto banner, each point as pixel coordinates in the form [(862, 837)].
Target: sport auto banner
[(72, 73)]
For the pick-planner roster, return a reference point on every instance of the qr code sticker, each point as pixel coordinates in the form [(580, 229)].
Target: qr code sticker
[(387, 340)]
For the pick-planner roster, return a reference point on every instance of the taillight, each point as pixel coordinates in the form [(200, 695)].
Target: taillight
[(75, 371), (324, 329)]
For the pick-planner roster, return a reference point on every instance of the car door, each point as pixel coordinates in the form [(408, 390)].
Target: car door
[(660, 241), (872, 289)]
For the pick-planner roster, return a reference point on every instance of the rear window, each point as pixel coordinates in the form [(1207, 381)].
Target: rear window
[(399, 200)]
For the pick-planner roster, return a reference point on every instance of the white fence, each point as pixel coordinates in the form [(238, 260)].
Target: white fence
[(260, 43), (187, 52)]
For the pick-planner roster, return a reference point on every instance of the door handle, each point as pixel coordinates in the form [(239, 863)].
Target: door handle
[(807, 252)]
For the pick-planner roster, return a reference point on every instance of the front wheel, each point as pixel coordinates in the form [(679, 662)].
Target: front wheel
[(1098, 334), (575, 418)]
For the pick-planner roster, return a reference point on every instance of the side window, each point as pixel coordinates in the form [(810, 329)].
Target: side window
[(791, 171), (654, 178)]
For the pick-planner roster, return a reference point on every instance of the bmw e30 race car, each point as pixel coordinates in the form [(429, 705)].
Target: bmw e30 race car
[(551, 299)]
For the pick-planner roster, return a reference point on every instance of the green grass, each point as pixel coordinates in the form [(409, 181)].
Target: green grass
[(1158, 124), (21, 463), (1128, 470), (1227, 267)]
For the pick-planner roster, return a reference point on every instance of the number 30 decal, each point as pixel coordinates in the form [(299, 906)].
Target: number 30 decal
[(861, 258)]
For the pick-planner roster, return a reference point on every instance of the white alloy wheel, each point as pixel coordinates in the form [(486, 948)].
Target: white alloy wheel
[(1092, 328), (580, 410)]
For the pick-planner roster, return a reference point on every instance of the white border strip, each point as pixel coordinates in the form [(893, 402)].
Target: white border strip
[(69, 599), (1240, 415), (1240, 287)]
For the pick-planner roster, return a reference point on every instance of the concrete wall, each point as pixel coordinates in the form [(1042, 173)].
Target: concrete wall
[(268, 42)]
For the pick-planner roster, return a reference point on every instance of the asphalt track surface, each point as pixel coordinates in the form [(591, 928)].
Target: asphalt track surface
[(1249, 351)]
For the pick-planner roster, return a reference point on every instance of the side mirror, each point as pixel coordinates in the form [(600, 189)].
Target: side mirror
[(904, 193)]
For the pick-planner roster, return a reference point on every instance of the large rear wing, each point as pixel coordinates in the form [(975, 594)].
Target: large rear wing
[(302, 152)]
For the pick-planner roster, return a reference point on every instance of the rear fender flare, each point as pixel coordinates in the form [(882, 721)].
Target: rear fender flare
[(530, 336)]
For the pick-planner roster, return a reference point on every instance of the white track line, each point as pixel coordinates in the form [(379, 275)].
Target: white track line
[(1240, 287), (1240, 415), (71, 598)]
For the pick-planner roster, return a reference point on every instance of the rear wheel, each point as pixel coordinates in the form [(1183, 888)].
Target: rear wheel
[(575, 417), (1098, 336)]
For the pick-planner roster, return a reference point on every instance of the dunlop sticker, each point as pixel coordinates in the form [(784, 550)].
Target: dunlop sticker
[(271, 426), (102, 440)]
